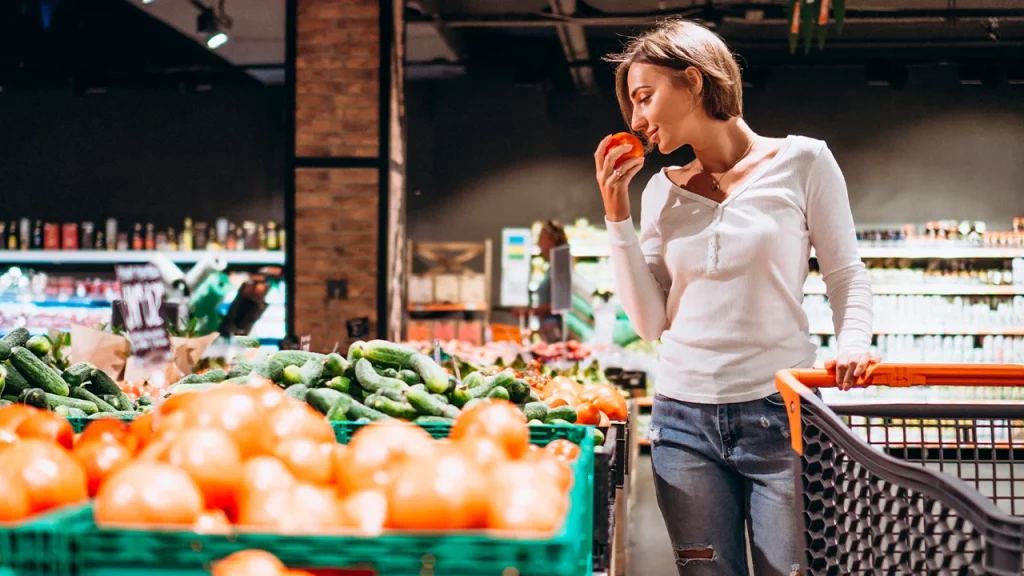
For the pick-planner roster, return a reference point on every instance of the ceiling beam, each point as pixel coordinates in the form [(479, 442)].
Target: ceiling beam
[(573, 39)]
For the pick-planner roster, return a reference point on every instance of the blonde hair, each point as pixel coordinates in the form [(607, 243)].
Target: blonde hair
[(677, 45)]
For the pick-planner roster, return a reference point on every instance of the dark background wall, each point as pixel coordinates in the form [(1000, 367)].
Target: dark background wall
[(154, 155), (486, 157)]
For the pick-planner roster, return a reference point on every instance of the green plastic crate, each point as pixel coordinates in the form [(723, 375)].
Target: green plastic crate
[(569, 552), (79, 424), (39, 546)]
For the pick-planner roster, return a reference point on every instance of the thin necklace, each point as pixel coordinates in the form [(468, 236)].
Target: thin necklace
[(705, 179)]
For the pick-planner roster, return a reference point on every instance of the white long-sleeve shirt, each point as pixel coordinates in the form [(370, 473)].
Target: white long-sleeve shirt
[(722, 284)]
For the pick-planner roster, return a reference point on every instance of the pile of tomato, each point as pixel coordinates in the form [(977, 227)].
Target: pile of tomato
[(596, 404), (250, 457)]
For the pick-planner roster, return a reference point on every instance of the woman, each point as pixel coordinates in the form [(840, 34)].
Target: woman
[(717, 274), (552, 235)]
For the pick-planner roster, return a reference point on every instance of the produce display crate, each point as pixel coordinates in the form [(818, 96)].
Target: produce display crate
[(79, 424), (163, 553), (909, 488), (38, 546), (604, 499)]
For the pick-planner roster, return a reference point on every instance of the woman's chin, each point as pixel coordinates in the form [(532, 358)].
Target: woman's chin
[(665, 148)]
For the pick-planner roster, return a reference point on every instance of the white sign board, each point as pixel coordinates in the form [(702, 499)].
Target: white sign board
[(516, 245)]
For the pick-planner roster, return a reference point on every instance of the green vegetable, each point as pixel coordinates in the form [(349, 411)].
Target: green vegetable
[(215, 375), (340, 383), (335, 365), (498, 392), (441, 398), (38, 373), (535, 411), (459, 397), (3, 378), (394, 393), (247, 341), (339, 410), (383, 352), (78, 373), (598, 437), (17, 337), (144, 401), (566, 413), (292, 375), (307, 374), (387, 372), (296, 357), (68, 412), (501, 379), (124, 415), (53, 400), (119, 402), (182, 387), (237, 380), (428, 405), (371, 381), (419, 386), (83, 394), (241, 368), (13, 399), (297, 391), (534, 397), (409, 377), (535, 423), (322, 398), (433, 420), (473, 380), (355, 351), (392, 408), (5, 350), (357, 411), (271, 370), (559, 422), (39, 345), (356, 391)]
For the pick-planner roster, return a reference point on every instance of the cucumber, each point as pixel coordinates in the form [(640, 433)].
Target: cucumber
[(237, 380), (356, 391), (441, 398), (518, 391), (409, 377), (83, 394), (535, 411), (371, 381), (433, 375), (535, 423), (271, 370), (101, 383), (419, 386), (34, 397), (5, 350), (433, 420), (387, 372), (215, 375), (38, 373), (68, 412), (296, 357), (116, 401), (339, 410), (427, 405), (17, 337), (402, 410), (321, 399), (144, 401), (292, 375), (11, 398), (339, 383), (241, 368), (247, 341), (472, 380), (310, 372), (383, 352), (357, 411), (598, 437), (39, 345), (566, 413), (355, 351), (392, 393), (78, 373), (558, 422), (498, 392), (3, 378), (460, 397), (297, 391), (53, 400), (534, 397), (335, 365), (501, 379), (182, 387), (124, 415)]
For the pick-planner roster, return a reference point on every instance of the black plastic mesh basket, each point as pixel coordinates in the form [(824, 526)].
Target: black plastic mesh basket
[(909, 489)]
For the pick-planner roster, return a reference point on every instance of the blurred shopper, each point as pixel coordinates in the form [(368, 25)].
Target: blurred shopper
[(717, 273), (552, 235)]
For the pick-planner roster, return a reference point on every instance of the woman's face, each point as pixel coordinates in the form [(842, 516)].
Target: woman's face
[(545, 243), (664, 109)]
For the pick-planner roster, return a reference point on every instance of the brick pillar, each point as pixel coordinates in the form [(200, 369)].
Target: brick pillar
[(341, 150)]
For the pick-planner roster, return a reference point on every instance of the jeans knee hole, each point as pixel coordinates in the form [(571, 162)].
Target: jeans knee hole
[(693, 554)]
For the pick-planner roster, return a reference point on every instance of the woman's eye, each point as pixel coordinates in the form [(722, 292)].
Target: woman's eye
[(645, 99)]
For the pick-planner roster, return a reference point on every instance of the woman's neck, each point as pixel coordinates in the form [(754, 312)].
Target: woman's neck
[(722, 143)]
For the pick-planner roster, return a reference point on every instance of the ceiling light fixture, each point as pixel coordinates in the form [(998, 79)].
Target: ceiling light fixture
[(213, 22)]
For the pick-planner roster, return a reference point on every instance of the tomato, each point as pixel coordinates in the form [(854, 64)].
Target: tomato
[(52, 477), (605, 420), (557, 468), (266, 474), (212, 522), (375, 449), (7, 436), (524, 499), (441, 493), (12, 415), (15, 503), (149, 493), (292, 419), (587, 414), (248, 563), (212, 459), (110, 430), (142, 429), (366, 510), (339, 457), (563, 450), (48, 426), (485, 452), (623, 139), (561, 399), (99, 459), (233, 410), (499, 420), (309, 460), (301, 508), (268, 394), (562, 384), (612, 403)]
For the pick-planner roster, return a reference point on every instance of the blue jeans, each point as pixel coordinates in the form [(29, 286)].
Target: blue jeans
[(724, 472)]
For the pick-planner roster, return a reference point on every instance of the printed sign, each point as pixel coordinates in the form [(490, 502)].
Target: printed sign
[(561, 280), (515, 266), (304, 342), (142, 295)]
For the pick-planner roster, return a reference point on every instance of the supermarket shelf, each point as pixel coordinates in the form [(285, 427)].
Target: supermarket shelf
[(250, 257), (452, 307), (644, 401), (930, 289), (70, 303)]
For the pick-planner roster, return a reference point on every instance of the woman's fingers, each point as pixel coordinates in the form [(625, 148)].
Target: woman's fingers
[(599, 153)]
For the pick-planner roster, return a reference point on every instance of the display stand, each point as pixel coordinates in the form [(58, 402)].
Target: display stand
[(449, 290)]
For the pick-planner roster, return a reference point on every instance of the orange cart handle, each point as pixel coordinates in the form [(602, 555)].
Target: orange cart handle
[(904, 375)]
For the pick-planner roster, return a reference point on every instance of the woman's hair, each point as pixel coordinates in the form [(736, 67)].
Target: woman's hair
[(677, 45), (556, 232)]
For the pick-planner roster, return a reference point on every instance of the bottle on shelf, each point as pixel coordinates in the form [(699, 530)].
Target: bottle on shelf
[(122, 242), (137, 240), (172, 240), (199, 236), (186, 236), (12, 236), (37, 235), (150, 240), (231, 243), (87, 236), (272, 239), (112, 234), (100, 243)]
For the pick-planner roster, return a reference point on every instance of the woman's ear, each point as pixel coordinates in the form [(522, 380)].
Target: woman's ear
[(695, 80)]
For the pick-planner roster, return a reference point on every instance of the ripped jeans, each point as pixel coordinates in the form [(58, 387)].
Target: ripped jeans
[(721, 469)]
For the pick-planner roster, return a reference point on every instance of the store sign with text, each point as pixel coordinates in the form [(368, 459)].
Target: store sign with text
[(142, 294)]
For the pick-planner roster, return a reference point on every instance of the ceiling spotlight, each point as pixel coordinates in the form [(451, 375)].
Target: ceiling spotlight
[(217, 40), (148, 1)]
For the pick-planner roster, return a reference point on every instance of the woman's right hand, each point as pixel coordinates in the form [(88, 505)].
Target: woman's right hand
[(614, 182)]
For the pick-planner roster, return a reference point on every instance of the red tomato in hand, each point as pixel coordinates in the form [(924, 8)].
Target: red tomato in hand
[(623, 139)]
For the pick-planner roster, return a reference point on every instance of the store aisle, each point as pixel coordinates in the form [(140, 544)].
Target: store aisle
[(650, 553)]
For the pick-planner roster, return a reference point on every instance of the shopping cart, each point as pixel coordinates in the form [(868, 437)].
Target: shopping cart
[(907, 489)]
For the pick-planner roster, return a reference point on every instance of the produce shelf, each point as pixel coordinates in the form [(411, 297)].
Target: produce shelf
[(248, 257)]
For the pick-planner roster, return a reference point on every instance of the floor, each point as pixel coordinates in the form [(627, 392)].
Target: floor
[(650, 552)]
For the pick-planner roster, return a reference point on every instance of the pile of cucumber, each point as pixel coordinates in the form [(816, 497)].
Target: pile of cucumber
[(80, 391)]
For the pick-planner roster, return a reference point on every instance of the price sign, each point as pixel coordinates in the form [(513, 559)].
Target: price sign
[(304, 342), (142, 294)]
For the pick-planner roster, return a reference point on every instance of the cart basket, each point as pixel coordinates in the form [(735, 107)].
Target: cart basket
[(878, 503)]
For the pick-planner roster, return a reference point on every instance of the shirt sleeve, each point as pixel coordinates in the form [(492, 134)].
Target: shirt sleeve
[(832, 234), (641, 277)]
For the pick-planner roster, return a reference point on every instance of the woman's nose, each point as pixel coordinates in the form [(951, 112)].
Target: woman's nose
[(638, 123)]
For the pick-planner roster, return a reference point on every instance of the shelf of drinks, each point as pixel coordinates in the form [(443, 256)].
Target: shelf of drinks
[(924, 289), (245, 257)]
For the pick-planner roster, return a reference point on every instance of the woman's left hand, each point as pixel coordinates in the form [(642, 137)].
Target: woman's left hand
[(850, 366)]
